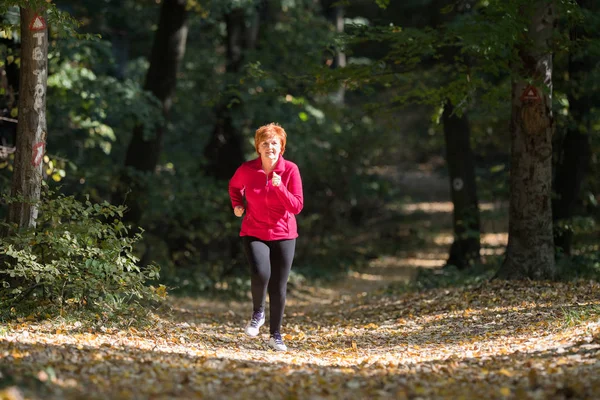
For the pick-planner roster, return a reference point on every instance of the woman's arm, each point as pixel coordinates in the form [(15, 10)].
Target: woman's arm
[(236, 189), (291, 194)]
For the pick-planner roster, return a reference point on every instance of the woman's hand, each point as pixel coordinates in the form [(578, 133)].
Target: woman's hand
[(239, 211), (276, 181)]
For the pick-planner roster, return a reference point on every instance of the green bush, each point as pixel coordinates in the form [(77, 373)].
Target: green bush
[(78, 254)]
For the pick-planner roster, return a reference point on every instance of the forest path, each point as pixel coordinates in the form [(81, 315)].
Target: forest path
[(359, 338)]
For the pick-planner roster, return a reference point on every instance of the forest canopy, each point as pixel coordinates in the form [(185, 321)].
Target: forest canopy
[(153, 105)]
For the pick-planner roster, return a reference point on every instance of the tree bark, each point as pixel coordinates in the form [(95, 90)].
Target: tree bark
[(575, 152), (461, 167), (530, 251), (225, 150), (32, 127), (143, 152)]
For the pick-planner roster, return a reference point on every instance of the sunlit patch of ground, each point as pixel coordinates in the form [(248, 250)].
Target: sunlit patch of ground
[(441, 207), (503, 340), (487, 239), (491, 243), (423, 262)]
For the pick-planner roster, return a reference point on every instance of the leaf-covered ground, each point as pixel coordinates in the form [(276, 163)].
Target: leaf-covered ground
[(360, 338)]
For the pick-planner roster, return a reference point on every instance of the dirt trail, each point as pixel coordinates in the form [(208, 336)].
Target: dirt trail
[(358, 338)]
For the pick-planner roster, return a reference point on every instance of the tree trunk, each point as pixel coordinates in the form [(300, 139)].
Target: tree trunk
[(575, 152), (461, 168), (161, 80), (31, 128), (225, 150), (530, 251), (335, 15), (465, 248), (120, 49)]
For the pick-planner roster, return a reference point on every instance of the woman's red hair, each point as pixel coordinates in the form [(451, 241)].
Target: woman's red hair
[(270, 130)]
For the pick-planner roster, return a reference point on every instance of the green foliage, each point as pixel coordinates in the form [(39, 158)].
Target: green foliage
[(79, 254), (585, 264), (199, 234), (492, 183), (90, 109), (61, 22), (576, 315), (576, 225), (382, 3), (401, 69)]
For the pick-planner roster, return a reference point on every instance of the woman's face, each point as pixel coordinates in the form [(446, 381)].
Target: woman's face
[(270, 148)]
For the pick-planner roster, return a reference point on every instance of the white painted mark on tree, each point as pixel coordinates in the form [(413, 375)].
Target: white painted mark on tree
[(39, 132), (37, 154), (40, 37), (458, 184), (38, 54), (39, 89)]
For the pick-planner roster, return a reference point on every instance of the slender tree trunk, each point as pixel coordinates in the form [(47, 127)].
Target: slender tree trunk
[(31, 128), (335, 14), (575, 152), (465, 248), (161, 80), (461, 168), (120, 50), (530, 251), (225, 149)]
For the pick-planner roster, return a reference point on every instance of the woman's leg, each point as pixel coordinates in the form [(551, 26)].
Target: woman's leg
[(282, 256), (257, 253)]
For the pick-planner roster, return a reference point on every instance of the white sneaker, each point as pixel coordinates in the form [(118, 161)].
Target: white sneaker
[(257, 320), (276, 342)]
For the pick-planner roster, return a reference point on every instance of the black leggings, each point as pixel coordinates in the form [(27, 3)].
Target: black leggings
[(270, 264)]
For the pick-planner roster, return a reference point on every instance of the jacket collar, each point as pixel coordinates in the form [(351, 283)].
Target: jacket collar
[(279, 166)]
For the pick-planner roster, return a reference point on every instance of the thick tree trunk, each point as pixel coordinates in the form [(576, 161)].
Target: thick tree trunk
[(31, 128), (575, 152), (461, 168), (530, 251), (161, 80), (225, 150)]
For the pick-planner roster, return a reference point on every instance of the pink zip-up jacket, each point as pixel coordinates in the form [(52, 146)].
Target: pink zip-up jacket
[(270, 210)]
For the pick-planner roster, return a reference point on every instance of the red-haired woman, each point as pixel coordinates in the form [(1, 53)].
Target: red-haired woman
[(268, 190)]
